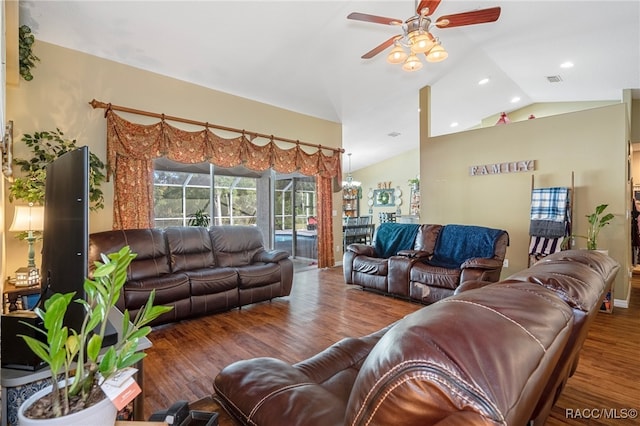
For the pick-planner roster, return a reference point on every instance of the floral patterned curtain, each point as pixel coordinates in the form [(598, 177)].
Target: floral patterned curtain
[(131, 149)]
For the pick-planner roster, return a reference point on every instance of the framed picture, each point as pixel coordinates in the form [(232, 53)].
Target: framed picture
[(383, 198)]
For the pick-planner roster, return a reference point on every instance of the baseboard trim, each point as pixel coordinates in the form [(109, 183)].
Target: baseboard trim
[(620, 303)]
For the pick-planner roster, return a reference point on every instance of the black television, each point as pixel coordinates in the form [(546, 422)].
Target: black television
[(65, 237)]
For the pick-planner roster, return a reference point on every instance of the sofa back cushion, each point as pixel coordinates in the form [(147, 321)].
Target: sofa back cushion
[(152, 258), (427, 237), (393, 237), (190, 248), (235, 245)]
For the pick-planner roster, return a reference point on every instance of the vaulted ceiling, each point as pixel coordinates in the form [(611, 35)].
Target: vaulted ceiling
[(305, 56)]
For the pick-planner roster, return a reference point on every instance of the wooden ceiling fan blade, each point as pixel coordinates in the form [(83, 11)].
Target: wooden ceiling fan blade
[(469, 18), (430, 5), (379, 48), (357, 16)]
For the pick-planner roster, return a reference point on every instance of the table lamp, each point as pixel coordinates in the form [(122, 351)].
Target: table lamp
[(28, 218)]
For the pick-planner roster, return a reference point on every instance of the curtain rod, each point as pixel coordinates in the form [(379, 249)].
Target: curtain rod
[(98, 104)]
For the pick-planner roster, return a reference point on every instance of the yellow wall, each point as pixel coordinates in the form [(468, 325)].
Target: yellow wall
[(65, 81), (397, 170), (590, 143)]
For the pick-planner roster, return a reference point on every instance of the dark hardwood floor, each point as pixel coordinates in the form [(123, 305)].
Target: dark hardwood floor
[(321, 310)]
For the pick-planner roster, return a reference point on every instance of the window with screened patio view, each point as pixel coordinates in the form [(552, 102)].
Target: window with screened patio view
[(188, 194)]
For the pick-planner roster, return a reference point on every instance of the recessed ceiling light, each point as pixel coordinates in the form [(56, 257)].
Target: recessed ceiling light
[(567, 64), (515, 99), (454, 124), (393, 134), (483, 81)]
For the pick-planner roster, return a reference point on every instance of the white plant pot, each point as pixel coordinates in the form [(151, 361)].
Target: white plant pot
[(102, 413)]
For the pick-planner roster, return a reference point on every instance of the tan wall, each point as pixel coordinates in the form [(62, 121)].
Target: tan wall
[(590, 143), (397, 170), (635, 121), (65, 81)]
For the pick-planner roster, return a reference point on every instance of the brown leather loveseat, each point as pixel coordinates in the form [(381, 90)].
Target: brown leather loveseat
[(197, 270), (485, 356), (425, 262)]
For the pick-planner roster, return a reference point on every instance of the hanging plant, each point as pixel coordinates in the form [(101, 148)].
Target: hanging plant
[(46, 147), (25, 47)]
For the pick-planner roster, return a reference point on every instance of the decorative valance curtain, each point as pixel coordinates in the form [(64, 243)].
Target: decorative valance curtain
[(132, 147)]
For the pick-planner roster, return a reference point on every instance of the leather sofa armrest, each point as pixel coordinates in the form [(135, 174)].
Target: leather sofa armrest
[(470, 285), (362, 250), (482, 263), (414, 253), (271, 256)]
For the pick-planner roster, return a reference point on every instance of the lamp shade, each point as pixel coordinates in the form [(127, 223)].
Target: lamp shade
[(420, 42), (412, 63), (27, 218), (437, 54), (397, 55)]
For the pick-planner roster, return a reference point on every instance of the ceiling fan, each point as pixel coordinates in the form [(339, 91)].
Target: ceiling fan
[(416, 33)]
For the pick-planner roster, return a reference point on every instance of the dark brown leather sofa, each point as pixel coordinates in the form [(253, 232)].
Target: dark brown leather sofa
[(197, 270), (424, 270), (485, 356)]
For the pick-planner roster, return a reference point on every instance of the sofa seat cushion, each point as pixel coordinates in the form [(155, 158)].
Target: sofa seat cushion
[(371, 265), (168, 289), (212, 280), (258, 274), (435, 276)]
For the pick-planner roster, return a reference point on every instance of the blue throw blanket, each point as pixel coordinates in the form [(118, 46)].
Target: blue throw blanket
[(393, 237), (458, 243)]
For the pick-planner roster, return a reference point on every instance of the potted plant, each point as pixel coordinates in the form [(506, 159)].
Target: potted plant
[(63, 346), (415, 182), (597, 221), (47, 146), (200, 218)]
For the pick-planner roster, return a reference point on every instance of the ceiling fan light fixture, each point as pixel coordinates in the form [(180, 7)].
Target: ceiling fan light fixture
[(420, 42), (397, 55), (437, 54), (412, 63)]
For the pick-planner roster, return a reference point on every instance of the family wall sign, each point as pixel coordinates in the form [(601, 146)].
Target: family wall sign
[(502, 168)]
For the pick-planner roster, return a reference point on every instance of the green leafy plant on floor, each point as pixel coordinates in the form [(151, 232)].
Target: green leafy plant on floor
[(46, 147), (27, 59), (63, 346), (596, 222)]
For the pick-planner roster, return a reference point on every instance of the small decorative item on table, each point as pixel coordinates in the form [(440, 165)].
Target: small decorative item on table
[(27, 277)]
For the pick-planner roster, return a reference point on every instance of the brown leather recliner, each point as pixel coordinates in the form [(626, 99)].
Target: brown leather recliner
[(426, 272), (196, 270), (485, 356)]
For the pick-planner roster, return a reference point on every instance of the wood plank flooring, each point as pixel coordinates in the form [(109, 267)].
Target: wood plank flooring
[(321, 310)]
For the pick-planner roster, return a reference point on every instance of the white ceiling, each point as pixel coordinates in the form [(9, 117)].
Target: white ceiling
[(304, 56)]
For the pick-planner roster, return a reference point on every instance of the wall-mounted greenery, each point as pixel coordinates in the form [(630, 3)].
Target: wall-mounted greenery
[(46, 147), (27, 58)]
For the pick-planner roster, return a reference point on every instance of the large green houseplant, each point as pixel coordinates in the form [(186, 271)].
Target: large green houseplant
[(597, 220), (63, 346), (45, 147)]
